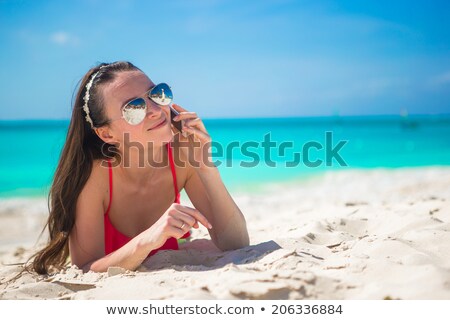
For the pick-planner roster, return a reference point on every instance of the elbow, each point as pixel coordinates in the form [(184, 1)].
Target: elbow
[(232, 238), (244, 241), (94, 266), (90, 267), (84, 266), (234, 244)]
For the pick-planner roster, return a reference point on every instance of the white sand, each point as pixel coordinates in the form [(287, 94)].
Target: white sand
[(346, 235)]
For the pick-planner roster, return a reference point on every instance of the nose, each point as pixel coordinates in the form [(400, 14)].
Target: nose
[(153, 110)]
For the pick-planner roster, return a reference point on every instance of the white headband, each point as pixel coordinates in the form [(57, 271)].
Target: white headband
[(86, 97)]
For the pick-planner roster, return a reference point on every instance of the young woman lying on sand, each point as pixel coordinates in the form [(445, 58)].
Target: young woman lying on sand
[(110, 205)]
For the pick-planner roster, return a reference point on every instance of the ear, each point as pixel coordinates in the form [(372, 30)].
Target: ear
[(104, 133)]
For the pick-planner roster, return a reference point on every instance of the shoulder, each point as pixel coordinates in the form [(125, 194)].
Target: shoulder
[(96, 190), (99, 177), (86, 241)]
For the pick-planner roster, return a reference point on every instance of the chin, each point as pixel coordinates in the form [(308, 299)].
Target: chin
[(165, 135)]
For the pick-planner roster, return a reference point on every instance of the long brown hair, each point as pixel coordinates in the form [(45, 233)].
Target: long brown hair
[(81, 148)]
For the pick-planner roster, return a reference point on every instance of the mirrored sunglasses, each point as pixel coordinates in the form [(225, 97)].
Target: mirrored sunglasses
[(135, 111)]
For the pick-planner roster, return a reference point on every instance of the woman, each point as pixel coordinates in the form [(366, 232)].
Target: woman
[(110, 205)]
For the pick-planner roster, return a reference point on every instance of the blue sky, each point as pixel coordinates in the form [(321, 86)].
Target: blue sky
[(233, 58)]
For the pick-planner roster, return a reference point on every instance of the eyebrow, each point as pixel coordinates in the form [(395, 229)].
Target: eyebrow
[(129, 100)]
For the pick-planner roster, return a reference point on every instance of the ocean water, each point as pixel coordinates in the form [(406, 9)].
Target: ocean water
[(252, 152)]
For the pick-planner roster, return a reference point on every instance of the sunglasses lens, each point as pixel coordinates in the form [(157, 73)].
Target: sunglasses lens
[(135, 111), (161, 94)]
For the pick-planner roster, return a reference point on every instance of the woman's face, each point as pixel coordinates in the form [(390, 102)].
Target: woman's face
[(125, 87)]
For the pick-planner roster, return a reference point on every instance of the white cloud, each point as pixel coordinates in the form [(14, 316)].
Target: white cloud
[(64, 38), (60, 37), (441, 79)]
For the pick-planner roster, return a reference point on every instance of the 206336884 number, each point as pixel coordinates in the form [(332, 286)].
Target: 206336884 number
[(306, 309)]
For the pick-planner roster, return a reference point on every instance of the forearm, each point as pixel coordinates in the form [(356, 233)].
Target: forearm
[(130, 256), (229, 226)]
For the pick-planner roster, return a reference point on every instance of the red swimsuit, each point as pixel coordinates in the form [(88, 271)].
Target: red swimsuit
[(115, 239)]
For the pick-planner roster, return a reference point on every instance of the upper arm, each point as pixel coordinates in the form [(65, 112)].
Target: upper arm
[(86, 240)]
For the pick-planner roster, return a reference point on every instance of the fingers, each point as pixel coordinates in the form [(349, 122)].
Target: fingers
[(198, 133), (185, 115), (178, 108), (194, 213), (186, 221), (194, 123), (175, 232), (196, 128), (190, 119)]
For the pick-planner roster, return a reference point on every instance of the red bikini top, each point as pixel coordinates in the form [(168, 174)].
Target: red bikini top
[(114, 239)]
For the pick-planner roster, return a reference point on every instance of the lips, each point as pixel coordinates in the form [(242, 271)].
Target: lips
[(158, 125)]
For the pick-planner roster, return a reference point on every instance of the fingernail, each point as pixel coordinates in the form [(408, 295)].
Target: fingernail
[(209, 225), (175, 118)]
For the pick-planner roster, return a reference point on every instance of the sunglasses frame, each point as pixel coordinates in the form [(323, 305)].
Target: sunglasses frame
[(146, 94)]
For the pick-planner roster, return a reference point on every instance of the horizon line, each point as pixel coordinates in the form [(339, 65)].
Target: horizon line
[(269, 117)]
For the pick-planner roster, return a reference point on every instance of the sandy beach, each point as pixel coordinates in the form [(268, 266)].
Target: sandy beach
[(353, 234)]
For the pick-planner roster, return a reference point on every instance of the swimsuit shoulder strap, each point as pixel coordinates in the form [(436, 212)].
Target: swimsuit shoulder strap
[(174, 174), (110, 185)]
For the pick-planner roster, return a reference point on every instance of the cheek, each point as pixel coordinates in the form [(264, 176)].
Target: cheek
[(126, 133), (166, 110)]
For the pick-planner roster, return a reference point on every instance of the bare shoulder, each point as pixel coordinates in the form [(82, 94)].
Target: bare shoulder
[(95, 192), (86, 238)]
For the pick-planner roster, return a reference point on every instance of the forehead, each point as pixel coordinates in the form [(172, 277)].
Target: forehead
[(125, 86)]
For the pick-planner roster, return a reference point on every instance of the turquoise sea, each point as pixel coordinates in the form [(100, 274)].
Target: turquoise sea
[(31, 148)]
